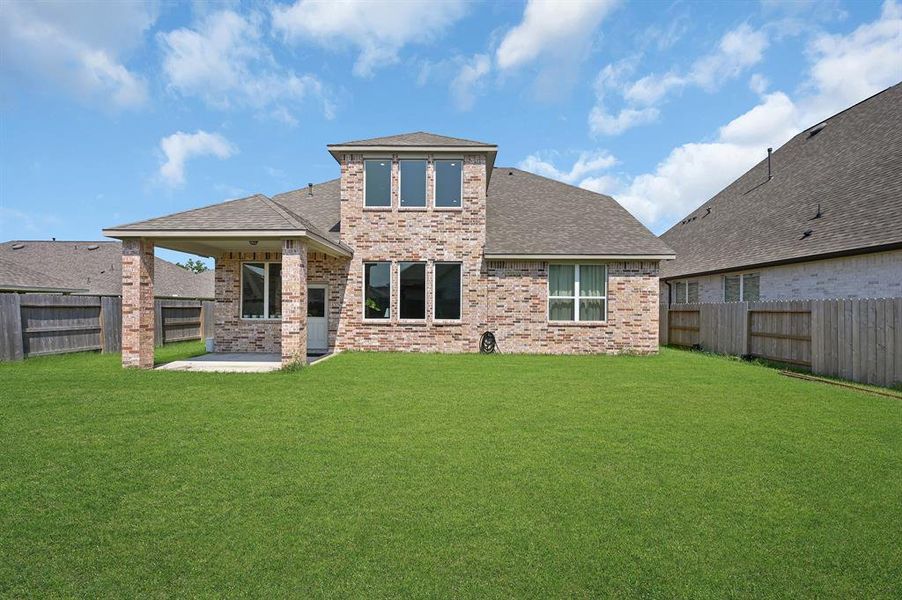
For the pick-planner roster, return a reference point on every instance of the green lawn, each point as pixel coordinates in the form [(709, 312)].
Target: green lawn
[(679, 475)]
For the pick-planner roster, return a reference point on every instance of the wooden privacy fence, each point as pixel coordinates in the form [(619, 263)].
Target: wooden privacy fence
[(40, 324), (859, 340)]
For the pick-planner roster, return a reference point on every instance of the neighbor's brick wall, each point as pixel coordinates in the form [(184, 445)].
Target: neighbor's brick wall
[(233, 334), (137, 303), (875, 275), (430, 235), (517, 311)]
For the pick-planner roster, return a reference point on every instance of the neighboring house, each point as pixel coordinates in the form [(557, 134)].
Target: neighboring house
[(422, 244), (92, 268), (827, 223)]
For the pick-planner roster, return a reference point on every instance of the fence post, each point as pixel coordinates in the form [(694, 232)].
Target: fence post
[(11, 345)]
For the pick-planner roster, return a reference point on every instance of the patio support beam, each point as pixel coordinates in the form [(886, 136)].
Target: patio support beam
[(294, 302), (137, 303)]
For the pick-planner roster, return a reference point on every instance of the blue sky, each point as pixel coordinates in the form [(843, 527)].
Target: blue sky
[(116, 111)]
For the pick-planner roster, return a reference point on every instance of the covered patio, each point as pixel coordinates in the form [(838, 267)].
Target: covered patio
[(269, 330)]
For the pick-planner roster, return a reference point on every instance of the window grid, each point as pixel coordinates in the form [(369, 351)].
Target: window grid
[(577, 296)]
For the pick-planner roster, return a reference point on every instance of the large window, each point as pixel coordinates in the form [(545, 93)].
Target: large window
[(377, 290), (448, 183), (413, 183), (685, 292), (447, 291), (412, 290), (577, 292), (741, 287), (261, 291), (377, 182)]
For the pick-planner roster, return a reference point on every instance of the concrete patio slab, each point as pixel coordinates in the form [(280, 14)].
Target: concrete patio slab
[(233, 362)]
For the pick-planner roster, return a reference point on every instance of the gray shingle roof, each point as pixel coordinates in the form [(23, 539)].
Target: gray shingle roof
[(530, 214), (19, 278), (852, 169), (415, 138), (72, 265), (322, 208)]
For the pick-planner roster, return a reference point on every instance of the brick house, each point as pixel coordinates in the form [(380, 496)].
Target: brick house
[(820, 219), (422, 244)]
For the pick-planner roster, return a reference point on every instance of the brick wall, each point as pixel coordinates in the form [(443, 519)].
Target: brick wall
[(517, 311), (137, 303)]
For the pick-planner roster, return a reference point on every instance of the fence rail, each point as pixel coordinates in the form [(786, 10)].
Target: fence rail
[(41, 324), (859, 340)]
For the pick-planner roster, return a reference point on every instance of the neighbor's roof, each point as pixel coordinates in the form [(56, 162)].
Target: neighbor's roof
[(532, 215), (90, 268), (416, 139), (15, 277), (851, 168)]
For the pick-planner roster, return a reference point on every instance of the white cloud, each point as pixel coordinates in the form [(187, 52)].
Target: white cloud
[(469, 79), (378, 28), (77, 46), (224, 61), (551, 27), (181, 147), (586, 164), (736, 51), (758, 83)]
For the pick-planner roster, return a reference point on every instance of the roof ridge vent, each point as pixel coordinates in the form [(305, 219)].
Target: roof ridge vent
[(817, 129)]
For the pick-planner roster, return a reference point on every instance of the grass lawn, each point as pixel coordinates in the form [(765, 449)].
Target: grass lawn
[(469, 476)]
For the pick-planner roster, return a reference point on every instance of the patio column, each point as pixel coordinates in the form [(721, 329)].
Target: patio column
[(137, 303), (294, 302)]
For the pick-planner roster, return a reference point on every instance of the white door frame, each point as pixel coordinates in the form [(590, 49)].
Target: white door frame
[(325, 288)]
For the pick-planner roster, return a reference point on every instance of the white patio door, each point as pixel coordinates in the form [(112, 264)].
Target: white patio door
[(317, 318)]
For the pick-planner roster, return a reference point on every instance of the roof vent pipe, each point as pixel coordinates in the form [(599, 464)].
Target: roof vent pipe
[(310, 189), (769, 152)]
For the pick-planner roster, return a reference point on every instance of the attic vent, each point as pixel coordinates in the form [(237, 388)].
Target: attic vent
[(817, 129), (18, 246), (93, 247)]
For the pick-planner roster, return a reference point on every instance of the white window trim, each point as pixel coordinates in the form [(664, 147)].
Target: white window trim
[(391, 291), (425, 205), (435, 183), (576, 298), (741, 276), (425, 288), (391, 190), (675, 287), (460, 300), (266, 316)]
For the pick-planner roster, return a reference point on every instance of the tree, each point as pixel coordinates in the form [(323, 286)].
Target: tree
[(193, 265)]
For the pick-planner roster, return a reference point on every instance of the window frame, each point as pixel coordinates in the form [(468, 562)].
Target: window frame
[(425, 205), (741, 275), (676, 291), (576, 297), (445, 158), (391, 186), (391, 291), (460, 299), (265, 316), (425, 290)]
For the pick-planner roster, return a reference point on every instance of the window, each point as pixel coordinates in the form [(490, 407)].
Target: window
[(412, 290), (745, 287), (377, 182), (377, 290), (685, 292), (413, 183), (261, 291), (577, 292), (448, 183), (447, 291)]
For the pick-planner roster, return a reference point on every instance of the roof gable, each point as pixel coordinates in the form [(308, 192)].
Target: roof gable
[(416, 138), (842, 183)]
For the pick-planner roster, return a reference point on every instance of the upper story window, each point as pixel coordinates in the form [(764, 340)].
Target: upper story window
[(448, 183), (377, 182), (413, 183), (745, 287), (577, 292)]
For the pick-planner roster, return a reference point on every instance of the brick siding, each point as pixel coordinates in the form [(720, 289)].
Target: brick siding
[(137, 303)]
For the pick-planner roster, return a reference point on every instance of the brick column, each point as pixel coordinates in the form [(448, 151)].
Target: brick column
[(137, 303), (294, 302)]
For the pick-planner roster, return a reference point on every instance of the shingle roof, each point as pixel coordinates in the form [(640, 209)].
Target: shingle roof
[(416, 138), (530, 214), (75, 266), (851, 169), (321, 206), (16, 277)]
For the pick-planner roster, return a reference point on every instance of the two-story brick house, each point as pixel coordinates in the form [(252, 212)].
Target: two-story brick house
[(422, 244)]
